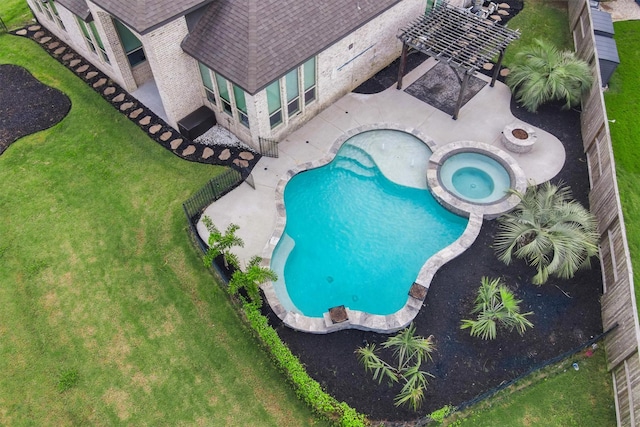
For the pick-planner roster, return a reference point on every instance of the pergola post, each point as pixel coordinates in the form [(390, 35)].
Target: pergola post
[(497, 68), (403, 63), (463, 88)]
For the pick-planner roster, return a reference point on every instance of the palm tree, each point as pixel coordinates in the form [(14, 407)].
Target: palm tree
[(496, 306), (409, 351), (550, 231), (541, 73), (221, 244), (251, 279)]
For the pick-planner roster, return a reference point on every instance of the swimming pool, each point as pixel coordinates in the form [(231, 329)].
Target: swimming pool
[(359, 229)]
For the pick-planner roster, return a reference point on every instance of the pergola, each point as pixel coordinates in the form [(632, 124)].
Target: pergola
[(459, 39)]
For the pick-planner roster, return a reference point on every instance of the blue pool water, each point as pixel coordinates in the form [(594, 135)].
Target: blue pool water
[(355, 238)]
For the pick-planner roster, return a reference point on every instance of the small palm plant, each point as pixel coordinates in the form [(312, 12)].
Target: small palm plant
[(409, 351), (251, 279), (221, 244), (541, 73), (550, 231), (496, 306)]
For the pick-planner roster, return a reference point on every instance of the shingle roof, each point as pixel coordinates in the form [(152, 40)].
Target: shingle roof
[(146, 15), (253, 42), (78, 7)]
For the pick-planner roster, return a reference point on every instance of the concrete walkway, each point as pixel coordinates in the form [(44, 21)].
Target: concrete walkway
[(481, 119)]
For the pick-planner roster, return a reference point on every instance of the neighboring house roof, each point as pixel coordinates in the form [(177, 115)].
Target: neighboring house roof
[(146, 15), (78, 7), (254, 42)]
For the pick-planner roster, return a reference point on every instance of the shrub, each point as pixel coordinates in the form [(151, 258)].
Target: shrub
[(410, 351), (550, 231), (221, 244), (541, 73), (496, 306)]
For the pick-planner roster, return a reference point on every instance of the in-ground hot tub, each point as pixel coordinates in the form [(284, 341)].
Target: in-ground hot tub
[(474, 177)]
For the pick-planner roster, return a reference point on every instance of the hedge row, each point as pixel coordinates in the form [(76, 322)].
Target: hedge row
[(308, 389)]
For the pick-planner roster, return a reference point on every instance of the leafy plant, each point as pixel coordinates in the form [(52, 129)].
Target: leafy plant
[(67, 379), (440, 414), (550, 231), (221, 244), (541, 73), (251, 279), (496, 306), (409, 352)]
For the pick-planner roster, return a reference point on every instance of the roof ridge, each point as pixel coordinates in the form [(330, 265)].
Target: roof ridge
[(252, 71)]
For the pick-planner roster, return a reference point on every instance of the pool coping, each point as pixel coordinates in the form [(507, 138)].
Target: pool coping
[(461, 206), (356, 319)]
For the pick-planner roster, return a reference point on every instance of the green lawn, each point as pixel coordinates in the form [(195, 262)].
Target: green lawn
[(15, 13), (558, 396), (623, 106), (101, 291), (540, 19)]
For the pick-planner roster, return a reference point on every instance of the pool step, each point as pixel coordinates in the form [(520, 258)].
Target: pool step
[(356, 160)]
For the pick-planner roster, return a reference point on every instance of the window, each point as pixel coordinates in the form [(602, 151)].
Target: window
[(208, 83), (91, 36), (49, 9), (301, 80), (223, 90), (274, 104), (309, 74), (293, 92), (241, 105), (232, 97), (130, 43)]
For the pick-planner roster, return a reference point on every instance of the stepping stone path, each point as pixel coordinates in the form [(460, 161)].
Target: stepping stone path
[(505, 72), (503, 12), (225, 154), (504, 6), (496, 18), (487, 66), (82, 68), (207, 152)]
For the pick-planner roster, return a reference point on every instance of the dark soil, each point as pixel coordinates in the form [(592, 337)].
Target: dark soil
[(26, 105)]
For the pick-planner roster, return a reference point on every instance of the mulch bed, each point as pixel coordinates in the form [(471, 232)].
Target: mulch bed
[(26, 105)]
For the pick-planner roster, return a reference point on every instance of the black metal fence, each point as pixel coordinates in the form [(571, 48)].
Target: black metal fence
[(3, 28), (268, 147), (212, 191)]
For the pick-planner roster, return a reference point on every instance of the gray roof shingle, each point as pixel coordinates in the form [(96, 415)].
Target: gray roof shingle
[(253, 42), (146, 15), (78, 7)]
